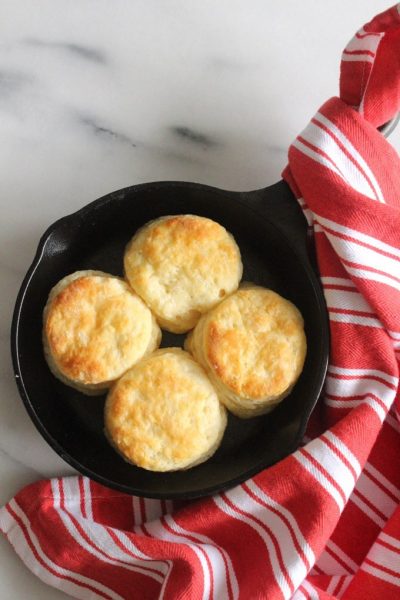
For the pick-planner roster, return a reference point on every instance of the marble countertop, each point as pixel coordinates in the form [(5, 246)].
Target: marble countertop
[(95, 96)]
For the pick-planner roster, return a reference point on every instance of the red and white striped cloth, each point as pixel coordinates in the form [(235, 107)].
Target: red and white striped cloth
[(325, 522)]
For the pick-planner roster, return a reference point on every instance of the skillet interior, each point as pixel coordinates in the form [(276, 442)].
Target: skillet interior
[(94, 238)]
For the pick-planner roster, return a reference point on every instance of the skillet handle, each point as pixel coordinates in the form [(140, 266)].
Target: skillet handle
[(278, 203)]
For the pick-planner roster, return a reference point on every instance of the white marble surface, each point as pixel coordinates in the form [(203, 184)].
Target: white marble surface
[(97, 95)]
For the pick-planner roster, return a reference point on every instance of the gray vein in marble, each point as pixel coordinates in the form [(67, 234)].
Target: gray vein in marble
[(100, 130), (195, 137), (78, 50)]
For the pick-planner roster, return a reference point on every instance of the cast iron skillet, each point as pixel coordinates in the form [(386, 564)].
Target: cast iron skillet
[(272, 235)]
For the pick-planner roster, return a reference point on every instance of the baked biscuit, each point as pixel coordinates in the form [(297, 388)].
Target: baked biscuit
[(182, 265), (94, 329), (253, 347), (164, 414)]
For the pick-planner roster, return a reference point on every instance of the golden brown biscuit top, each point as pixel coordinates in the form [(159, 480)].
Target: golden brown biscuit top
[(254, 342), (96, 328), (164, 411), (182, 263)]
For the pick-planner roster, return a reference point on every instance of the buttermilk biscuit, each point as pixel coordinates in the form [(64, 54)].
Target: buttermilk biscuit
[(182, 266), (94, 329), (164, 414), (253, 347)]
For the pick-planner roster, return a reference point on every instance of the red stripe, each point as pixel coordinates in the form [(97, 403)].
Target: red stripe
[(322, 469), (181, 557), (284, 519), (141, 539), (145, 530), (381, 402), (333, 286), (219, 526), (236, 508), (345, 398), (198, 546), (221, 552), (340, 584), (48, 519), (351, 263), (163, 507), (359, 52), (349, 238), (227, 576), (304, 592), (349, 311), (341, 562), (358, 397), (320, 152), (82, 532), (318, 570), (341, 456), (355, 397), (346, 152), (82, 495), (361, 36), (117, 562), (381, 485), (47, 567), (128, 551), (382, 568), (388, 545), (337, 587), (373, 377), (374, 509)]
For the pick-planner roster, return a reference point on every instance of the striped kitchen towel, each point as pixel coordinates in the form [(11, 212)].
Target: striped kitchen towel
[(325, 522)]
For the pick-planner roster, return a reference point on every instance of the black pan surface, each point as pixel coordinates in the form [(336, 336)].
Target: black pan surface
[(272, 235)]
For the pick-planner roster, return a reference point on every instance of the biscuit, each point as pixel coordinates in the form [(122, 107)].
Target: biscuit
[(182, 265), (94, 329), (253, 347), (164, 414)]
